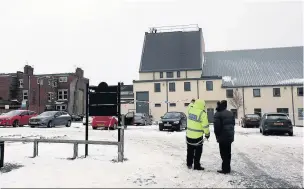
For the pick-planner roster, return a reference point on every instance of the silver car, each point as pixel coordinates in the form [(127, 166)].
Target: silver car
[(51, 119), (142, 119)]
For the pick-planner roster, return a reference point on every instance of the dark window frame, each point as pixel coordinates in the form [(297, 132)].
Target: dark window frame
[(161, 75), (299, 92), (274, 92), (157, 105), (300, 113), (228, 93), (259, 112), (168, 75), (209, 85), (172, 104), (155, 87), (280, 110), (174, 88), (254, 95), (178, 74), (186, 104), (185, 86), (235, 113)]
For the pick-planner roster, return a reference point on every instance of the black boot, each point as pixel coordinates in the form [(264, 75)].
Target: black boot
[(199, 168), (223, 172), (189, 166)]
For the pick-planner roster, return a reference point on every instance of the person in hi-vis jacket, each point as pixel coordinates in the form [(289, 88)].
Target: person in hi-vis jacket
[(197, 126)]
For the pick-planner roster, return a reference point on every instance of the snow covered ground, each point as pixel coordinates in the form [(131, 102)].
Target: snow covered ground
[(153, 159)]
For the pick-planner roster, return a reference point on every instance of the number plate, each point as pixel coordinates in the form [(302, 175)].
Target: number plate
[(167, 124), (33, 122), (278, 123), (101, 124)]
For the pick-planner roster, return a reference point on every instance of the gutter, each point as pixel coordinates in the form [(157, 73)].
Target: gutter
[(292, 104)]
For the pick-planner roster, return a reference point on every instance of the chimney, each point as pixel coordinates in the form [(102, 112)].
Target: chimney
[(28, 70), (79, 72)]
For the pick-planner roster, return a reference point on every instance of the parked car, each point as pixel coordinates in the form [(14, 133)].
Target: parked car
[(110, 122), (16, 118), (173, 121), (51, 119), (252, 120), (76, 117), (142, 119), (84, 120), (276, 123)]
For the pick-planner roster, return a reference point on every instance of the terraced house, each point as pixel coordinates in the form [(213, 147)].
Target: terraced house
[(40, 92), (175, 68)]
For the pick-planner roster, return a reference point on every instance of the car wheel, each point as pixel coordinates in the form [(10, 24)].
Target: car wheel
[(178, 128), (145, 123), (50, 124), (68, 123), (32, 126), (264, 132), (16, 123), (245, 126), (114, 127), (94, 128), (161, 128), (260, 130), (290, 133)]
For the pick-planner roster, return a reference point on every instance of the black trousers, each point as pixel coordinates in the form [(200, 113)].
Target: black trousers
[(194, 152), (225, 151)]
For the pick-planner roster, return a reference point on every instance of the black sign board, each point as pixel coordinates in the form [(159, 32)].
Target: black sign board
[(102, 100)]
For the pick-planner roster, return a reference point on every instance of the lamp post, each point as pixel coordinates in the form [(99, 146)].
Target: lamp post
[(39, 79)]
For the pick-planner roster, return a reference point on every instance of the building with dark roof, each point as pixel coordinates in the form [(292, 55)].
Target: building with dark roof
[(175, 68), (40, 92)]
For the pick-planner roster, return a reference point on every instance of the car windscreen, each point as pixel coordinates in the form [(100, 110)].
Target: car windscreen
[(138, 115), (46, 114), (172, 115), (252, 116), (277, 116), (13, 113)]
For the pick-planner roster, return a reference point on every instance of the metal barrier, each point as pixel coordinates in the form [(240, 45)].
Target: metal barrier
[(36, 142)]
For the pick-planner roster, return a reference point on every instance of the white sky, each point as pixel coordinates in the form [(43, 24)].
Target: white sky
[(105, 37)]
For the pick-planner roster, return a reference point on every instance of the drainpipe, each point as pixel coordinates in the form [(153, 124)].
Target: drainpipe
[(167, 98), (197, 87), (292, 103), (243, 92)]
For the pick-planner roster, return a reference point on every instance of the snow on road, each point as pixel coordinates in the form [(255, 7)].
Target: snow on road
[(153, 159)]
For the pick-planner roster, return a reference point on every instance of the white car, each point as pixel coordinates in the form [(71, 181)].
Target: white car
[(84, 120)]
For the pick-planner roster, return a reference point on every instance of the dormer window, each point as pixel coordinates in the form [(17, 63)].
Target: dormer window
[(169, 74)]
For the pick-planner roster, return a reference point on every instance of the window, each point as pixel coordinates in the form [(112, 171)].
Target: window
[(283, 110), (300, 113), (60, 108), (169, 74), (40, 81), (235, 113), (55, 84), (256, 92), (50, 96), (63, 94), (25, 95), (300, 91), (186, 104), (276, 92), (156, 87), (187, 86), (171, 87), (229, 93), (172, 104), (20, 83), (63, 79), (161, 75), (209, 85), (258, 111), (178, 74), (157, 105)]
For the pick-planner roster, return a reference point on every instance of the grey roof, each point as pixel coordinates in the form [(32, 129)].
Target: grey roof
[(172, 51), (257, 67)]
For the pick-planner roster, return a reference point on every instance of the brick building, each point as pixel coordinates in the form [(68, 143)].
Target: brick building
[(61, 91)]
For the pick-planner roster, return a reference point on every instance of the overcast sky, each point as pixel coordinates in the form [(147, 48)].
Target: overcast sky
[(105, 37)]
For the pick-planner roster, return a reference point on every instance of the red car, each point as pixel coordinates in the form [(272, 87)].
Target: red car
[(104, 122), (16, 118)]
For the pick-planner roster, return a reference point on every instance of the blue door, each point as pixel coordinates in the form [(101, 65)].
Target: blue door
[(142, 102)]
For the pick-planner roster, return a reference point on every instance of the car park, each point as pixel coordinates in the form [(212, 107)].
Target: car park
[(109, 122), (16, 118), (51, 119), (276, 123), (173, 121), (250, 120)]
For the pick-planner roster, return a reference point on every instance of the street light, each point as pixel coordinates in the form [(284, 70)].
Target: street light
[(41, 83)]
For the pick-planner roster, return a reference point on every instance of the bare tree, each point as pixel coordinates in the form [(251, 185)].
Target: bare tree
[(237, 100)]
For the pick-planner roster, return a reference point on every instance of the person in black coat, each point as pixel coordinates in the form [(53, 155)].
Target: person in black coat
[(224, 122)]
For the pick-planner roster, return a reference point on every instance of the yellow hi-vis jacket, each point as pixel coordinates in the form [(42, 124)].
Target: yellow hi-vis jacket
[(190, 106), (197, 122)]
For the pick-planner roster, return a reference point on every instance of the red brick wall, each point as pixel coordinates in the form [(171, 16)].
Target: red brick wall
[(5, 83)]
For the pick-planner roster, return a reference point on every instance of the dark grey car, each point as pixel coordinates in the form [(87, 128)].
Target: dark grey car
[(51, 119), (276, 123), (142, 119), (173, 121)]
